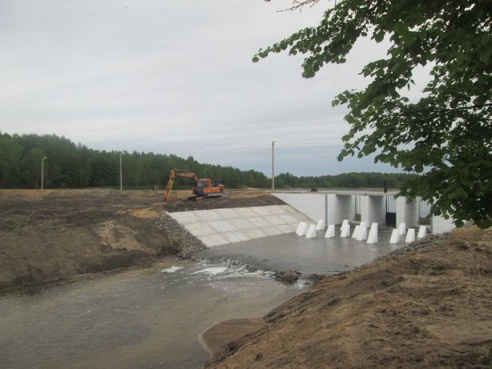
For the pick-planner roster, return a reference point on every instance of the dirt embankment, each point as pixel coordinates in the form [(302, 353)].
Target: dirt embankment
[(54, 235), (425, 308)]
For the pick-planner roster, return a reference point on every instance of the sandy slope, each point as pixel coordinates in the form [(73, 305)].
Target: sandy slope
[(428, 308)]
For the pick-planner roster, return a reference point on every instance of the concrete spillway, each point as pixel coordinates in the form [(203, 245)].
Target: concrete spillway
[(222, 226)]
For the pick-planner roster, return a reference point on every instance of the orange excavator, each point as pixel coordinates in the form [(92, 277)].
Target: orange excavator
[(201, 187)]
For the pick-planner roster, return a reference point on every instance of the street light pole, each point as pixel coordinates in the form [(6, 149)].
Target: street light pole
[(121, 174), (273, 165), (42, 172)]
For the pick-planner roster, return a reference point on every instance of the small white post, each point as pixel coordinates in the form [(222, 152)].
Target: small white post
[(320, 225), (345, 231), (302, 229), (330, 232), (373, 234), (356, 232), (410, 235), (311, 233), (362, 232), (395, 236), (422, 232)]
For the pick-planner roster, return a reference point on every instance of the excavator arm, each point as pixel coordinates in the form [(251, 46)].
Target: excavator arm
[(178, 173)]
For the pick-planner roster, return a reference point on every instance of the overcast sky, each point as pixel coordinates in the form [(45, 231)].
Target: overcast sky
[(175, 77)]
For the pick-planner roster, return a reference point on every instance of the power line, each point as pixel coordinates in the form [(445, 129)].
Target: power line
[(255, 147)]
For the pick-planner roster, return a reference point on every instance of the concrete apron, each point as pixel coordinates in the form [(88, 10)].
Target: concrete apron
[(223, 226)]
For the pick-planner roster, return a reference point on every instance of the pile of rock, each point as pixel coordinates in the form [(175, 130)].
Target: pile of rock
[(179, 237)]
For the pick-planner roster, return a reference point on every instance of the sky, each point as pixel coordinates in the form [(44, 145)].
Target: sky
[(176, 77)]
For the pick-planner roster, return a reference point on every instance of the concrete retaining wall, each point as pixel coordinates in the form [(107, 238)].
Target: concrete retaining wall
[(222, 226)]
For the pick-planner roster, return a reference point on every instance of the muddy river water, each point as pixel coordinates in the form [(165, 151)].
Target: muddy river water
[(151, 317)]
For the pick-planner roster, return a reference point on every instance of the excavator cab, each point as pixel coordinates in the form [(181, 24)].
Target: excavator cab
[(201, 187)]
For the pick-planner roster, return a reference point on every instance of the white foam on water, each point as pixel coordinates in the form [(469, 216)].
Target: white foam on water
[(172, 269), (243, 272), (211, 271)]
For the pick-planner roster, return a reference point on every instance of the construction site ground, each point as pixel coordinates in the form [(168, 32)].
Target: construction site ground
[(54, 235), (428, 306)]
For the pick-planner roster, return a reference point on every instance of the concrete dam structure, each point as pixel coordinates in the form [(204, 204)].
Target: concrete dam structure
[(333, 207), (323, 209)]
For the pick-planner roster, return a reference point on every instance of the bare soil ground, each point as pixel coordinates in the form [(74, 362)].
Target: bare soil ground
[(53, 235), (428, 307), (424, 308)]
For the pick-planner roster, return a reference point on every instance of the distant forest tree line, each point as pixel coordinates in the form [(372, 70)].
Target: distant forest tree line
[(70, 165)]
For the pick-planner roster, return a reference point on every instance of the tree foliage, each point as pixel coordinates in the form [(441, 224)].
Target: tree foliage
[(446, 134), (68, 165)]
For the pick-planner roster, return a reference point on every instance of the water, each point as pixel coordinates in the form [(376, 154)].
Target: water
[(308, 256), (151, 318), (140, 319)]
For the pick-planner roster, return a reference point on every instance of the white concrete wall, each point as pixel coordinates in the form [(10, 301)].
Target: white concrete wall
[(310, 204), (441, 225), (332, 208), (373, 210)]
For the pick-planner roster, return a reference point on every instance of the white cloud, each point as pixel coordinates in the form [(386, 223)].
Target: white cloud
[(171, 77)]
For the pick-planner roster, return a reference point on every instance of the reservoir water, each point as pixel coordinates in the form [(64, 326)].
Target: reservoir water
[(151, 317)]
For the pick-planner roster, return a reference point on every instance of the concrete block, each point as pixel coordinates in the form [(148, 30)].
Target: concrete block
[(402, 229), (290, 209), (214, 240), (241, 223), (260, 222), (254, 233), (373, 234), (185, 217), (287, 228), (245, 212), (410, 235), (208, 215), (200, 229), (288, 218), (422, 232), (311, 233), (362, 235), (356, 232), (278, 209), (320, 225), (272, 231), (345, 230), (235, 237), (228, 213), (262, 210), (330, 232), (395, 236), (222, 226), (302, 228), (273, 219)]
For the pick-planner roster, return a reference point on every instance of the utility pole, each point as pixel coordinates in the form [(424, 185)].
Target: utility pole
[(273, 165), (121, 174), (42, 172)]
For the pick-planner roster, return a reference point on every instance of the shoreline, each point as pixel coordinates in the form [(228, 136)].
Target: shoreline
[(220, 334)]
